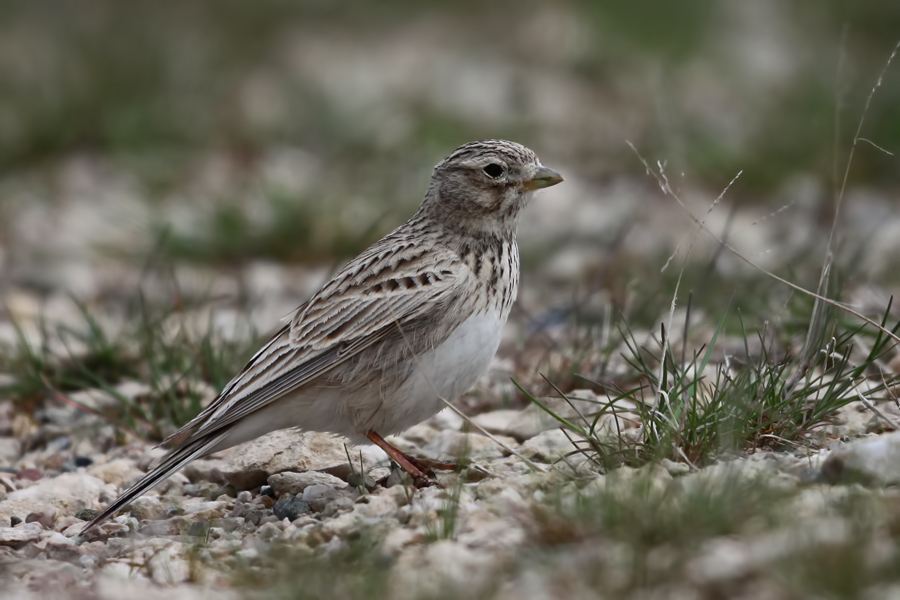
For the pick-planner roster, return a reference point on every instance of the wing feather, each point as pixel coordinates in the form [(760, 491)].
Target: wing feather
[(351, 313)]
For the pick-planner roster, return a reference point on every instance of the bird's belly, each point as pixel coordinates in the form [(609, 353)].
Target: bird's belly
[(443, 373)]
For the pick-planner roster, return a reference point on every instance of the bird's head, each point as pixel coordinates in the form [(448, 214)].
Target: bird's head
[(484, 185)]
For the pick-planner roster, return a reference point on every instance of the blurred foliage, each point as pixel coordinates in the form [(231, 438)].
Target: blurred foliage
[(296, 230), (172, 79)]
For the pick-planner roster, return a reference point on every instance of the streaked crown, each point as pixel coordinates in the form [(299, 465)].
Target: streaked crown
[(484, 185)]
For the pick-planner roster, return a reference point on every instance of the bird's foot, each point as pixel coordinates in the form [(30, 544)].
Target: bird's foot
[(428, 465), (421, 470)]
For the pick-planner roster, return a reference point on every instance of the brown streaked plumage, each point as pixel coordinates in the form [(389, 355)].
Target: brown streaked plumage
[(413, 319)]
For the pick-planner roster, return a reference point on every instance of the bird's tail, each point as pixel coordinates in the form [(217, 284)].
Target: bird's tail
[(170, 463)]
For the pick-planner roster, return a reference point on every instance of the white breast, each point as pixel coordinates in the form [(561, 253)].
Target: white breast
[(444, 372)]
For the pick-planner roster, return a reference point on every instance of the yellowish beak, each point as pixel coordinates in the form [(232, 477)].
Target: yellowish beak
[(545, 177)]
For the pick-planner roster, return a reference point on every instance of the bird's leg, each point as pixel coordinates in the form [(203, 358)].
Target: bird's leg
[(421, 474), (428, 464)]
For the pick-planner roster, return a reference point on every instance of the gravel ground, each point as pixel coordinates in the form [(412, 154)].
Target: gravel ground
[(239, 508), (166, 199), (240, 515)]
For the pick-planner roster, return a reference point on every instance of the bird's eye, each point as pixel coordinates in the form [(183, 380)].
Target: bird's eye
[(493, 170)]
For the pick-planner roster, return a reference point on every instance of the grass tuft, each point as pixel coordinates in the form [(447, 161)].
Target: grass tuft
[(698, 408), (183, 365)]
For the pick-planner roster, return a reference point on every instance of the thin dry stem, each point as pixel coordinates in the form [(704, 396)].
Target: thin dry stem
[(856, 139), (668, 190), (664, 181)]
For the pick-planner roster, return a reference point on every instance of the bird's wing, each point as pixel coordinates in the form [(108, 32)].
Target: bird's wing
[(367, 301)]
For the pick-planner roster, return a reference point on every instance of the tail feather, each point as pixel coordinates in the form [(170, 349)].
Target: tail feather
[(170, 463)]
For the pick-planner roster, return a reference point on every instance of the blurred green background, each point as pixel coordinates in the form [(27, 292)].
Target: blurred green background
[(329, 115)]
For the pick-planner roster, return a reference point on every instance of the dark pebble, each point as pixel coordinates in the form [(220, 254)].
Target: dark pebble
[(174, 511), (290, 508), (86, 514), (14, 520), (83, 461), (267, 490)]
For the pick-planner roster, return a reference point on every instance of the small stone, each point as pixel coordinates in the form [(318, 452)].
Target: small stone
[(415, 437), (244, 496), (61, 548), (77, 529), (88, 562), (337, 505), (172, 526), (65, 522), (873, 461), (116, 472), (6, 483), (17, 537), (304, 521), (549, 446), (69, 492), (115, 530), (496, 421), (14, 520), (83, 461), (267, 490), (357, 480), (285, 450), (208, 469), (10, 449), (226, 500), (255, 516), (290, 508), (86, 514), (46, 516), (194, 507), (317, 496), (443, 568), (295, 483), (269, 532), (396, 477), (230, 524), (148, 508)]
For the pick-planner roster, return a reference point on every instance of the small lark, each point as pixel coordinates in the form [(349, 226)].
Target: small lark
[(413, 320)]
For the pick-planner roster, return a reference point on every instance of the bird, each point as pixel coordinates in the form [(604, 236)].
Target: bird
[(410, 323)]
